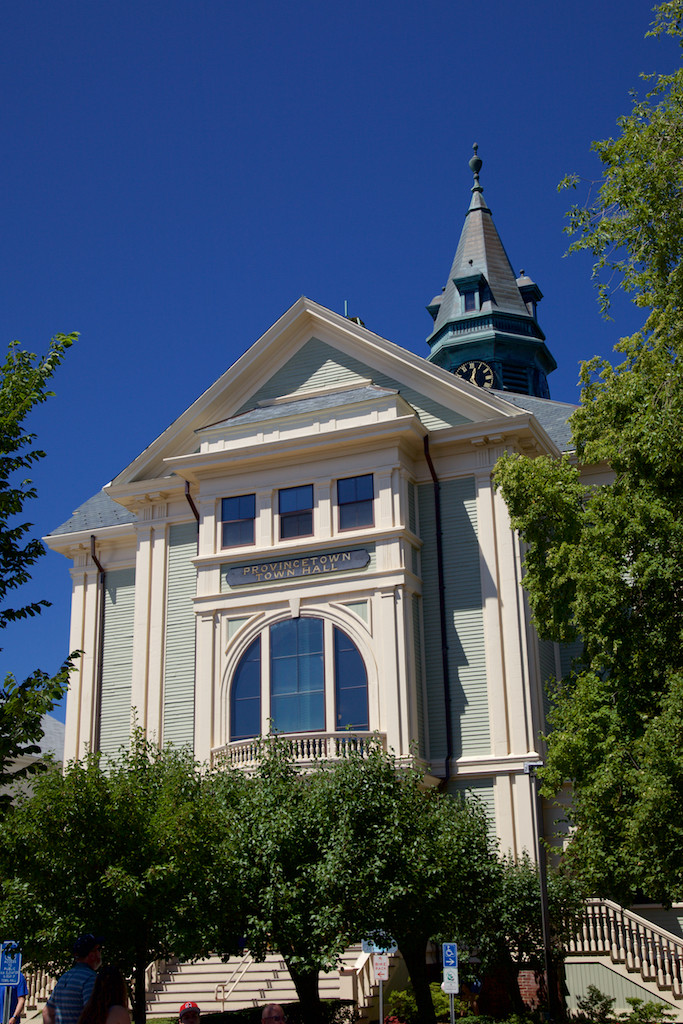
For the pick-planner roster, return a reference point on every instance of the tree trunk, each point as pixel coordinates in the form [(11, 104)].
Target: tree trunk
[(511, 972), (306, 985), (139, 990), (414, 954)]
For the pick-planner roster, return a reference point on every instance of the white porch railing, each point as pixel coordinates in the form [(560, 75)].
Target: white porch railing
[(39, 983), (609, 930), (306, 748)]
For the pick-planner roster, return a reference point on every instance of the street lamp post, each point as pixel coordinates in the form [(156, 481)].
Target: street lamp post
[(530, 768)]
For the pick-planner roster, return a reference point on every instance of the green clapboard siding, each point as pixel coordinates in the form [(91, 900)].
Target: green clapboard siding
[(319, 365), (417, 641), (412, 511), (465, 623), (567, 654), (179, 654), (482, 790), (597, 971), (546, 659), (117, 660)]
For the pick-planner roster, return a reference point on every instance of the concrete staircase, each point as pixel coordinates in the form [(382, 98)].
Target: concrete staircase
[(242, 982)]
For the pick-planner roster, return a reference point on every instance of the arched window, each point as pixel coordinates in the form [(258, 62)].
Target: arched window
[(305, 675)]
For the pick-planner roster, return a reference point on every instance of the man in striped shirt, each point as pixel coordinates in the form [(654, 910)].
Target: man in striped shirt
[(74, 988)]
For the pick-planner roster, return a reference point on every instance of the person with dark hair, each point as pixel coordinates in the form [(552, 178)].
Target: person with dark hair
[(108, 1003), (73, 990)]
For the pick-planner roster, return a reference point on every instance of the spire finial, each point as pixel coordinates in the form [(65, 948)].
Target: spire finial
[(475, 167)]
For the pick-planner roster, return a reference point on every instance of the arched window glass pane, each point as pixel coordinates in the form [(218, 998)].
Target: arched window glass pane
[(351, 684), (297, 676), (245, 696)]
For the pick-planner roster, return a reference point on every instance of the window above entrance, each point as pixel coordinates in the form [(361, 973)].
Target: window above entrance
[(354, 497), (299, 675), (237, 515), (295, 506)]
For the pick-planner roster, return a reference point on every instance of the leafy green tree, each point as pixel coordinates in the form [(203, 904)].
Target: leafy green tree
[(24, 380), (603, 564), (124, 850), (404, 861), (281, 841), (508, 936)]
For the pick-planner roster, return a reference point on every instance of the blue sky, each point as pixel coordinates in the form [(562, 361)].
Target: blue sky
[(176, 174)]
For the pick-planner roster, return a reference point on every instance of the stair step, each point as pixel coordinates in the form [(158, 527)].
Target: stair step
[(246, 983)]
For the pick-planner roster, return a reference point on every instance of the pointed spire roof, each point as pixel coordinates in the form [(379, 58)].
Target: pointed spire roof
[(480, 253), (486, 312)]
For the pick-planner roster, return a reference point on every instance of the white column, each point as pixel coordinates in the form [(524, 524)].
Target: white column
[(389, 681), (204, 682), (77, 731), (143, 583), (492, 613)]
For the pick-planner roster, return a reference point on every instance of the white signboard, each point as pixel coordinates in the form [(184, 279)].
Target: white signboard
[(380, 961), (451, 983)]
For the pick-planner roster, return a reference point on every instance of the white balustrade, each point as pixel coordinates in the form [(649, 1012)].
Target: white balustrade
[(628, 938), (306, 748)]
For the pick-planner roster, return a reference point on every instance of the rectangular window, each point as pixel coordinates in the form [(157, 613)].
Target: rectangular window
[(295, 506), (470, 303), (237, 515), (355, 500)]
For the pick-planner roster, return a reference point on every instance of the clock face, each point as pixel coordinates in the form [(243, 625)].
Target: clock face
[(476, 371)]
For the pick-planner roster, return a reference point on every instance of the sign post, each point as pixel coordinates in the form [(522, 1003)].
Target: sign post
[(10, 969), (380, 962), (451, 982)]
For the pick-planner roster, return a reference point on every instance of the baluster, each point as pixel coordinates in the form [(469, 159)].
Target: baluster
[(619, 949), (592, 944), (601, 928), (668, 955), (637, 948), (645, 962), (658, 950), (613, 940), (585, 944), (676, 986)]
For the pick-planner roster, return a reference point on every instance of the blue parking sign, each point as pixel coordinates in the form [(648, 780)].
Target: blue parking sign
[(10, 963), (450, 954)]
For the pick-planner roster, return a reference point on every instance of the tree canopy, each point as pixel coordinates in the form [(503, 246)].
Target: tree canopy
[(125, 850), (24, 384), (603, 563), (277, 849), (403, 861)]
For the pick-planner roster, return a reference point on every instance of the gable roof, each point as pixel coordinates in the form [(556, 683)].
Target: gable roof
[(273, 379), (253, 379)]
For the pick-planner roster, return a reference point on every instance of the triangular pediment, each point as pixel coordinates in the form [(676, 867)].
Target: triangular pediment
[(310, 351)]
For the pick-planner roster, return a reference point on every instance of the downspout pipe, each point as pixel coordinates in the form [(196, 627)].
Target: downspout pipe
[(190, 502), (442, 613), (100, 645)]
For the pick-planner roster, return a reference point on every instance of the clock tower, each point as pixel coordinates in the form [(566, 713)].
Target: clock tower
[(485, 326)]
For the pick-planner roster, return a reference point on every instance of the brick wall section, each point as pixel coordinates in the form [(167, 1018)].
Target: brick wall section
[(528, 988)]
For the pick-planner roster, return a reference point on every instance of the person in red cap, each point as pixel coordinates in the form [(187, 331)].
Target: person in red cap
[(188, 1013)]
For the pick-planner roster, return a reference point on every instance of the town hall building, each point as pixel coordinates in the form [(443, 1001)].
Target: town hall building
[(315, 547)]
